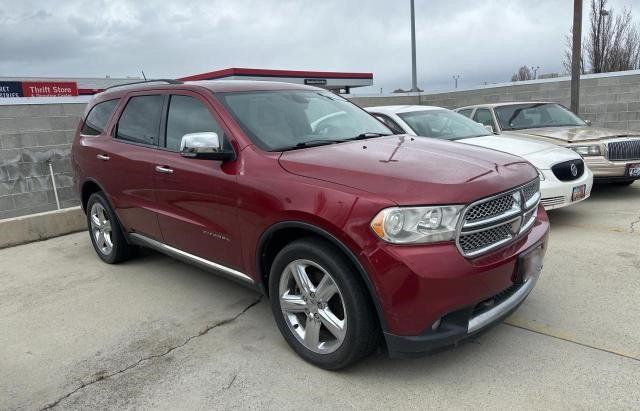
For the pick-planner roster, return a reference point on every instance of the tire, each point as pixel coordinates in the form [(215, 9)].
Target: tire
[(105, 231), (341, 314)]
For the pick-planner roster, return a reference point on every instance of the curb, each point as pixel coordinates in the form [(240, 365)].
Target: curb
[(41, 226)]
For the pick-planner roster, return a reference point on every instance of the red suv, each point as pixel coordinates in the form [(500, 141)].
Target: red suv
[(355, 234)]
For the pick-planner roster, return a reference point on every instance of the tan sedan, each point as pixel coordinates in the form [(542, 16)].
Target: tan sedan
[(612, 155)]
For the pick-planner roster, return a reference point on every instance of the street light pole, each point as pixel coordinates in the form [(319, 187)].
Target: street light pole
[(455, 78), (414, 74), (576, 56), (535, 71)]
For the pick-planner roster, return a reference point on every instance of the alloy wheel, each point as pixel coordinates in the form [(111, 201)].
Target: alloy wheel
[(313, 306), (101, 229)]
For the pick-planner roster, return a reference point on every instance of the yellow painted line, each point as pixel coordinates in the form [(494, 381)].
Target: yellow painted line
[(543, 329)]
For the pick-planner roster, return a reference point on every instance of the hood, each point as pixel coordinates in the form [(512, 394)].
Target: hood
[(577, 134), (412, 170), (540, 154)]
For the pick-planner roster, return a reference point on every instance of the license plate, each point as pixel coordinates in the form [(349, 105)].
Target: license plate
[(578, 192), (634, 170), (530, 264)]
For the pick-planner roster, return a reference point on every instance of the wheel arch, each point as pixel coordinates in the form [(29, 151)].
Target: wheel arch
[(89, 187), (282, 233)]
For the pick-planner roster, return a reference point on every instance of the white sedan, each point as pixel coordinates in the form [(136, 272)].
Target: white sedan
[(564, 177)]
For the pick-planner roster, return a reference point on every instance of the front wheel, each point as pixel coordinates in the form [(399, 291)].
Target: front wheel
[(321, 306)]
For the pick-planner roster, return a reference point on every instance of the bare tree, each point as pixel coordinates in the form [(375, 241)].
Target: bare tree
[(612, 44), (524, 73)]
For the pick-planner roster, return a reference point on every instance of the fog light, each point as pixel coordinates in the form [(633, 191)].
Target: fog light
[(436, 325)]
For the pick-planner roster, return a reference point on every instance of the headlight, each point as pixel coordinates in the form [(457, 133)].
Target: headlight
[(586, 150), (406, 225), (540, 174)]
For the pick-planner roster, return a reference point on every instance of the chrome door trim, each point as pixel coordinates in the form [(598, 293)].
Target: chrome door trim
[(174, 252)]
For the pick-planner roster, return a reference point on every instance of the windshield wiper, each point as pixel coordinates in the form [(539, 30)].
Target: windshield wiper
[(317, 142), (368, 134), (324, 142)]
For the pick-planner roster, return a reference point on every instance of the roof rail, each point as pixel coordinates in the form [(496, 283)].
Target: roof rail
[(161, 80)]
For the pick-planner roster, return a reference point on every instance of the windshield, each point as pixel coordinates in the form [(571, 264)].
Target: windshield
[(443, 124), (536, 115), (288, 119)]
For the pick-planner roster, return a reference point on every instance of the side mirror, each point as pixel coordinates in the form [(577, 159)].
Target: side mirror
[(204, 146), (488, 127), (588, 122)]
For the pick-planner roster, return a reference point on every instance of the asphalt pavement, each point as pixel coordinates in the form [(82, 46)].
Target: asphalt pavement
[(76, 333)]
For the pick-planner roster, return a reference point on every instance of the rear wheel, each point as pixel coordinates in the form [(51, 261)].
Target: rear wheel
[(106, 233), (321, 306)]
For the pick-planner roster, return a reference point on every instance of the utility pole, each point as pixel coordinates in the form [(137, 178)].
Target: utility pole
[(455, 79), (414, 75), (576, 57)]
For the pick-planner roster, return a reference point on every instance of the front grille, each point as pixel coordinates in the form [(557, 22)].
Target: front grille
[(624, 150), (495, 221), (490, 208), (479, 240), (568, 170), (552, 201), (531, 189)]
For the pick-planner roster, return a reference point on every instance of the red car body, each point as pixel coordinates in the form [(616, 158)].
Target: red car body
[(237, 213)]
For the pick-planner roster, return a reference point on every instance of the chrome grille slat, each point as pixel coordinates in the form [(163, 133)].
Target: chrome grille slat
[(623, 150), (495, 221), (551, 201), (479, 240), (531, 189), (490, 208)]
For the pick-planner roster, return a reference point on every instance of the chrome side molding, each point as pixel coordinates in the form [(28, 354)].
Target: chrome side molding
[(145, 241)]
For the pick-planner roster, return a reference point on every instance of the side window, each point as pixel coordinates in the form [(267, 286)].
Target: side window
[(390, 123), (188, 115), (140, 120), (98, 118), (483, 116), (466, 112)]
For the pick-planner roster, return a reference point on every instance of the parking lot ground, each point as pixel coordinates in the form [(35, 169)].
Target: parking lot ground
[(155, 333)]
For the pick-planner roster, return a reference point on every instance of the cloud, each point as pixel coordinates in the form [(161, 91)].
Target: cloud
[(479, 40)]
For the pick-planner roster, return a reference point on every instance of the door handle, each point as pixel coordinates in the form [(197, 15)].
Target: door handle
[(103, 157), (164, 170)]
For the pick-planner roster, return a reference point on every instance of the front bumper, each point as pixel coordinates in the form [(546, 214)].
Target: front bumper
[(604, 170), (462, 324), (430, 295), (557, 194)]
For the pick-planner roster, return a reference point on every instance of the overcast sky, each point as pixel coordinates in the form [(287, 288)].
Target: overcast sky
[(481, 40)]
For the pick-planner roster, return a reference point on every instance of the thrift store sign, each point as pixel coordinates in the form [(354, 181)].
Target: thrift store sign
[(37, 89)]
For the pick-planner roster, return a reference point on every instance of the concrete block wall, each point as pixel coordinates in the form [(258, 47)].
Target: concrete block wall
[(31, 135), (610, 100), (31, 132)]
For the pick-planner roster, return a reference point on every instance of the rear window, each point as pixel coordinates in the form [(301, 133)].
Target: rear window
[(98, 118)]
